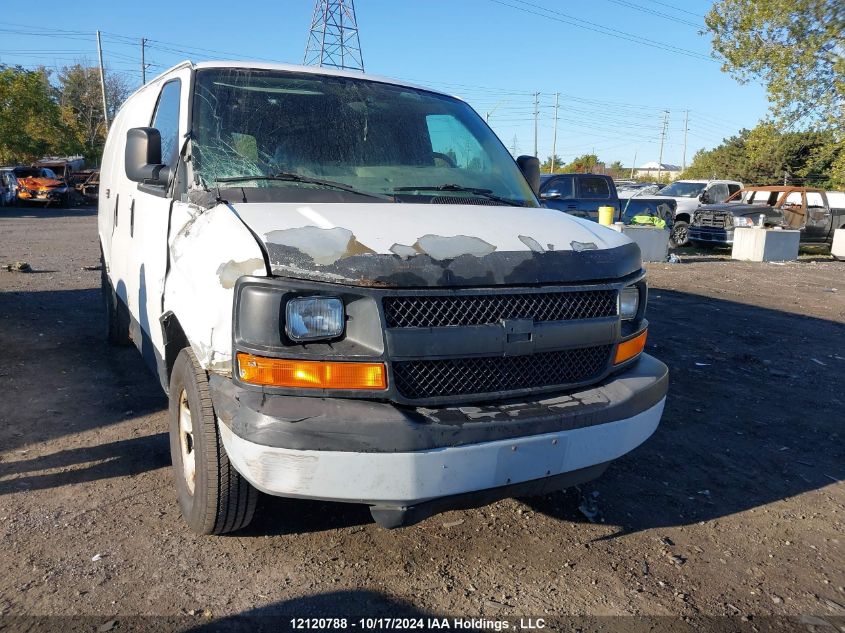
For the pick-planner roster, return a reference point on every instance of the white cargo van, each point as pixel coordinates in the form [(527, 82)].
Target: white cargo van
[(349, 291)]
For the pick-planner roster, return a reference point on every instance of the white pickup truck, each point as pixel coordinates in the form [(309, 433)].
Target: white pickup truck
[(350, 291), (691, 194)]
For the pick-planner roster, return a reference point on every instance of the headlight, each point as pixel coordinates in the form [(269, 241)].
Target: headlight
[(312, 318), (743, 221), (629, 302)]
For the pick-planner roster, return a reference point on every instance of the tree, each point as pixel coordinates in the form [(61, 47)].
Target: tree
[(583, 164), (551, 165), (79, 89), (795, 48), (32, 124), (765, 156)]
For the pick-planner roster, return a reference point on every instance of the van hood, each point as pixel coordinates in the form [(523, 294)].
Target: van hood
[(422, 245)]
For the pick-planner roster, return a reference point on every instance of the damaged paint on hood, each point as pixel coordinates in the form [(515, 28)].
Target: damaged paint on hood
[(412, 245)]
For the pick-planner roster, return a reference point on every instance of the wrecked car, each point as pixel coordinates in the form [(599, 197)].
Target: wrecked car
[(349, 291), (786, 207), (39, 184)]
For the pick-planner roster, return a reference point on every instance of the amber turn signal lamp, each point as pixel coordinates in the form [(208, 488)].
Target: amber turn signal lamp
[(630, 348), (310, 374)]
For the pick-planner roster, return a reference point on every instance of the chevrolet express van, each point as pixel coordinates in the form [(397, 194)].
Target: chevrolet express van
[(349, 291)]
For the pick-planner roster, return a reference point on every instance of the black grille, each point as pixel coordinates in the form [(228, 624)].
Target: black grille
[(713, 220), (440, 310), (463, 376)]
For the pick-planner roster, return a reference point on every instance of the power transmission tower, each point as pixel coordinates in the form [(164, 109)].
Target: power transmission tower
[(514, 145), (333, 39), (662, 139)]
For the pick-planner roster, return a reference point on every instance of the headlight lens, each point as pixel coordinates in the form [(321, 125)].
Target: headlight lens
[(312, 318), (629, 302), (743, 221)]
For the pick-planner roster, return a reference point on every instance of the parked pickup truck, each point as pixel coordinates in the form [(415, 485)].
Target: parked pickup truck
[(581, 195), (350, 291), (772, 206), (689, 195)]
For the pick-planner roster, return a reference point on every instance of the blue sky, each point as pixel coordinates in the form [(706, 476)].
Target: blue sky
[(493, 53)]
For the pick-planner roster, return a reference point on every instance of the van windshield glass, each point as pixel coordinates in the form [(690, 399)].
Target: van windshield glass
[(374, 138)]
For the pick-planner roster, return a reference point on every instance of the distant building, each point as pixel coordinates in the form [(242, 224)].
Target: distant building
[(652, 169)]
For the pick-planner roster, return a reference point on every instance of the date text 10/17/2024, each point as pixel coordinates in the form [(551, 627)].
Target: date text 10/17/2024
[(416, 623)]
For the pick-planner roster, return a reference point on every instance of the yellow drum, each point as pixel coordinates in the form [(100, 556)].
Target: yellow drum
[(606, 215)]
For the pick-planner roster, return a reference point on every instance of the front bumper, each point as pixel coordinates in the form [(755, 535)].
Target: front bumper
[(396, 458), (703, 234)]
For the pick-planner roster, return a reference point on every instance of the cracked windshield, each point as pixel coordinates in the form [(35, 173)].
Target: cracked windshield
[(348, 137)]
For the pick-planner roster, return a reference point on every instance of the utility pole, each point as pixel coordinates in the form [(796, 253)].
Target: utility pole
[(103, 81), (488, 114), (634, 165), (686, 129), (662, 139), (536, 118), (143, 64), (554, 136)]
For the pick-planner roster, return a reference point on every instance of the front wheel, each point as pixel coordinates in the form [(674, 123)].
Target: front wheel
[(680, 234), (213, 497)]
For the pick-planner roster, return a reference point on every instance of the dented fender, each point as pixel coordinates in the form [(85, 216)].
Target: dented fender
[(208, 253)]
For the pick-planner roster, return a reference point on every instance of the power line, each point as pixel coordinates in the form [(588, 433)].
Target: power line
[(580, 23), (665, 16)]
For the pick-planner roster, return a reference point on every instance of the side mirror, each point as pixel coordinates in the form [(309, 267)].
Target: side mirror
[(704, 197), (550, 195), (530, 167), (143, 156)]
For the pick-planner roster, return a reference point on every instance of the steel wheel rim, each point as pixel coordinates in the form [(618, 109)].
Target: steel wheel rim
[(186, 442), (680, 234)]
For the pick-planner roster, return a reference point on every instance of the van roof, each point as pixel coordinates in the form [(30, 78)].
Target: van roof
[(312, 70)]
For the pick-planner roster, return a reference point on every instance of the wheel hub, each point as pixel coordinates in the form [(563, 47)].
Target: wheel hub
[(186, 442)]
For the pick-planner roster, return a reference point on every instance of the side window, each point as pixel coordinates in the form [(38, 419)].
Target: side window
[(814, 199), (594, 188), (564, 187), (732, 189), (718, 192), (794, 197), (455, 144), (166, 121)]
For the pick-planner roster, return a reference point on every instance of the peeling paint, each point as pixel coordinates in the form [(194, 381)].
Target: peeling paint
[(531, 243), (403, 251), (323, 246), (231, 270), (440, 247), (583, 246)]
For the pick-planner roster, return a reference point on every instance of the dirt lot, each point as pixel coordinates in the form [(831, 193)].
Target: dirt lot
[(736, 506)]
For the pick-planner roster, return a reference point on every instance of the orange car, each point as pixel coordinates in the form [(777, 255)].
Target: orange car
[(39, 184)]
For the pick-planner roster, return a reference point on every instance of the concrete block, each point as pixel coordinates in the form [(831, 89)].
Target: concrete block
[(653, 242), (765, 245), (838, 247)]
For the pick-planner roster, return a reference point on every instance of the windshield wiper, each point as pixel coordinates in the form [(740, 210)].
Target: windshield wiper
[(484, 193), (286, 176)]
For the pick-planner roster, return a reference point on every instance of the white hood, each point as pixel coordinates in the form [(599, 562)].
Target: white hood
[(413, 244)]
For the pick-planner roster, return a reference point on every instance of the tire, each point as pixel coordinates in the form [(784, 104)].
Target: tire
[(216, 499), (115, 314), (680, 234)]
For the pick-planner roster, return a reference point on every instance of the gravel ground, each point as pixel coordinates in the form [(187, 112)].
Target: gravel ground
[(736, 505)]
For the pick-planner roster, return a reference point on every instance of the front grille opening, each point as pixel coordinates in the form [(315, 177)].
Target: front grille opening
[(462, 310), (420, 379)]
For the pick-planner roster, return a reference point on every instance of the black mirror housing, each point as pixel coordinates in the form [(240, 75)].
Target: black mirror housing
[(143, 156), (530, 167)]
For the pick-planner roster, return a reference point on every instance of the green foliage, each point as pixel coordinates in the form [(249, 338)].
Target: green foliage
[(765, 156), (79, 90), (32, 124), (546, 167), (582, 165), (795, 48)]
